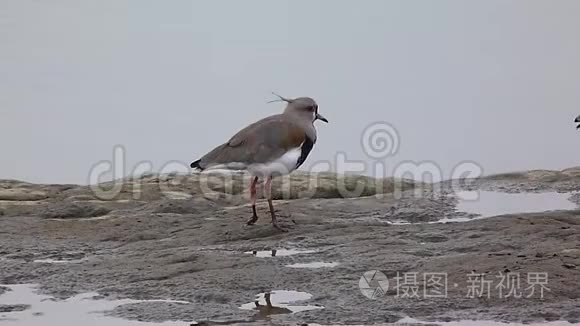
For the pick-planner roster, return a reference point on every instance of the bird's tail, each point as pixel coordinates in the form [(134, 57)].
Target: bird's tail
[(195, 165)]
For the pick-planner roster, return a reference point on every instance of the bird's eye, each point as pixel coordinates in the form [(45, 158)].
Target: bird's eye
[(310, 108)]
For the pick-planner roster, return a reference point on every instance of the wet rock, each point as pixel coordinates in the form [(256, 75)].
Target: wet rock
[(547, 315), (392, 318), (74, 210), (411, 214), (574, 253), (142, 236), (21, 254), (177, 195), (569, 265), (297, 185), (197, 252), (181, 206), (432, 238), (499, 254), (423, 206), (573, 317), (13, 307), (22, 194)]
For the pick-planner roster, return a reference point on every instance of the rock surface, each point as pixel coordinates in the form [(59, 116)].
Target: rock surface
[(13, 307), (182, 238)]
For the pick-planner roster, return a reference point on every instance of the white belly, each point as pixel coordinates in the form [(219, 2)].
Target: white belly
[(281, 166)]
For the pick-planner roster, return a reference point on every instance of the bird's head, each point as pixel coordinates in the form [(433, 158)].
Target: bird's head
[(577, 120), (304, 107)]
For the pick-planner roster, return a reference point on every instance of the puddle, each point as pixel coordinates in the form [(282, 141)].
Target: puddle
[(212, 219), (492, 203), (278, 302), (177, 195), (317, 264), (399, 222), (279, 252), (59, 261), (95, 218), (412, 321), (68, 257), (84, 309)]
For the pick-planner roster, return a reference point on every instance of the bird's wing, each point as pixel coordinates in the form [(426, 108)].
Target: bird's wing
[(305, 150), (260, 142)]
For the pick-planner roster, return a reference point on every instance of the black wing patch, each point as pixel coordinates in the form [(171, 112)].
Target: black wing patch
[(196, 165), (306, 148)]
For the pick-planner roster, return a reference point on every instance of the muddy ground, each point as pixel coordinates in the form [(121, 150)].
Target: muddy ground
[(182, 243)]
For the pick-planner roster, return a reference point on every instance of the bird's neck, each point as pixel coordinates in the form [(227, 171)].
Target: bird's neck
[(303, 122)]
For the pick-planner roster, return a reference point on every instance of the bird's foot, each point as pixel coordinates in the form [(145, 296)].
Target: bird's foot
[(253, 220)]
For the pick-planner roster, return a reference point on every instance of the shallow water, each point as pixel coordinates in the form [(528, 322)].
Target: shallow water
[(483, 204), (479, 323), (84, 309), (316, 264), (59, 261), (281, 300), (493, 203), (412, 321)]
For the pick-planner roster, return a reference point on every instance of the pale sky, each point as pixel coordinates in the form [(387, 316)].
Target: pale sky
[(495, 81)]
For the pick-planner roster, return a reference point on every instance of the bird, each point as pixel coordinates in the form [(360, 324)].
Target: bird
[(269, 309), (577, 120), (273, 146)]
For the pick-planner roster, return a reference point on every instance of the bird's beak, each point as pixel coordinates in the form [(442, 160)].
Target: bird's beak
[(321, 117)]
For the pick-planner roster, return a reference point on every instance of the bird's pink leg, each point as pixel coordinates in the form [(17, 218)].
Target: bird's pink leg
[(268, 195), (253, 200)]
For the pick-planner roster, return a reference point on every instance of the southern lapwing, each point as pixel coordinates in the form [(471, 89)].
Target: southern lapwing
[(273, 146)]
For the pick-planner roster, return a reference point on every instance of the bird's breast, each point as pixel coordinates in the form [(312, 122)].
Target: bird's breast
[(279, 166)]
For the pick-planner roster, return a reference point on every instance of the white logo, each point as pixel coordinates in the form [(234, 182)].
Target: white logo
[(373, 284), (380, 140)]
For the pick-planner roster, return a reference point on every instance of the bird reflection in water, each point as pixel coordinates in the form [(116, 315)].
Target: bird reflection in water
[(269, 309)]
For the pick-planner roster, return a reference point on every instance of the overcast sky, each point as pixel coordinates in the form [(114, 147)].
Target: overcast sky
[(495, 82)]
